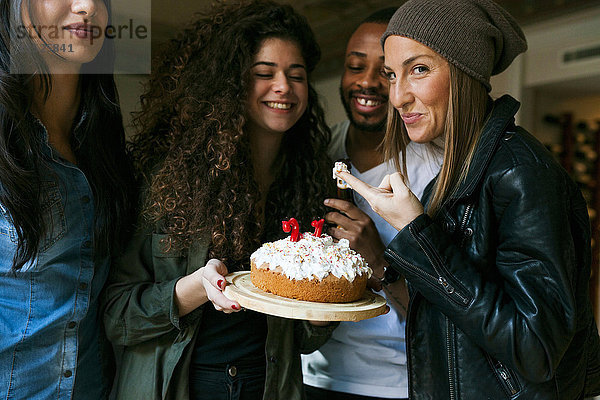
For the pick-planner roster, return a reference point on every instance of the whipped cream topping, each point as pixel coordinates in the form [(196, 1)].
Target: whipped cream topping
[(312, 257)]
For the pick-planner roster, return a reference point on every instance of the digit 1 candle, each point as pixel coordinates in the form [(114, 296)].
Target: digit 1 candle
[(318, 225)]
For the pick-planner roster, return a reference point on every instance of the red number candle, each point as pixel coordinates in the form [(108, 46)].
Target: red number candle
[(318, 225), (293, 226)]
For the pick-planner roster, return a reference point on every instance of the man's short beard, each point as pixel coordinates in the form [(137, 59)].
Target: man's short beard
[(374, 127)]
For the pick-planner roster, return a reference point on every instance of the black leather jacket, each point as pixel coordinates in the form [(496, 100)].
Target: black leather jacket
[(500, 279)]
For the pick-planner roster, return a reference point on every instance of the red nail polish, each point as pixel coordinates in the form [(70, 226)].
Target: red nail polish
[(220, 283), (235, 307)]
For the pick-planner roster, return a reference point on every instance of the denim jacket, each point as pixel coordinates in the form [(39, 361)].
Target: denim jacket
[(49, 328)]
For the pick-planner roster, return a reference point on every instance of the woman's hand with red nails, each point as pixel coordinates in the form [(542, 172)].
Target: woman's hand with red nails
[(205, 284), (213, 279)]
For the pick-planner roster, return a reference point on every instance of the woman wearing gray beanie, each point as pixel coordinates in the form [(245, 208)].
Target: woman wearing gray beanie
[(498, 258)]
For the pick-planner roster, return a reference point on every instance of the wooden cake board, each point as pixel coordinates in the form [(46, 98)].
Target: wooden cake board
[(241, 289)]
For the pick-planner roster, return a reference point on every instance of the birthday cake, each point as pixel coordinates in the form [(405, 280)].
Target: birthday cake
[(310, 266)]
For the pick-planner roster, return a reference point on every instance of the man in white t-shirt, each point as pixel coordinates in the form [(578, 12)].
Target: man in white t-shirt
[(367, 359)]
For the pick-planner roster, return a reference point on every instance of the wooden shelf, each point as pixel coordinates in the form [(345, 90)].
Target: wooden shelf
[(579, 154)]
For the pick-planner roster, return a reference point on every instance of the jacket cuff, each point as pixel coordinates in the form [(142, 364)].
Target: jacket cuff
[(420, 223), (319, 331), (187, 320), (173, 311), (405, 253), (313, 336), (428, 259), (405, 238)]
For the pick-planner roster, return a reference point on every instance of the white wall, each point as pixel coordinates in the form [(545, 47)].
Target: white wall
[(543, 82), (549, 41), (329, 94), (510, 82)]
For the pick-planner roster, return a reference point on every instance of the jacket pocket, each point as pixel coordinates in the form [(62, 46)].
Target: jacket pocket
[(53, 214), (507, 379), (8, 240), (7, 229), (168, 263), (160, 247)]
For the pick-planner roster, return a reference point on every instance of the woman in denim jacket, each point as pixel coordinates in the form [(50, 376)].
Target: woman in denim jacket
[(63, 187), (231, 141)]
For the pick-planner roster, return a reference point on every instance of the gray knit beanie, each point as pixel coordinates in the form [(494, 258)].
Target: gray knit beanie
[(477, 36)]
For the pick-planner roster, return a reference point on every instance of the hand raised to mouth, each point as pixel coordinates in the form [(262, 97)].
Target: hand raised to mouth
[(392, 199)]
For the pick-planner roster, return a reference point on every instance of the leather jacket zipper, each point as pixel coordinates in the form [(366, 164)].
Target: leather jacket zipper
[(450, 350), (408, 338), (443, 282), (439, 280), (465, 217), (506, 378), (508, 381), (402, 261), (448, 289), (463, 223)]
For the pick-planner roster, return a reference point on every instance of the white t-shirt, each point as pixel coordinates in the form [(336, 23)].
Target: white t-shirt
[(368, 357)]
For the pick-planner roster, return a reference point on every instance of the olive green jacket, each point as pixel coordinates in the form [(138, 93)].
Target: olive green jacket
[(156, 345)]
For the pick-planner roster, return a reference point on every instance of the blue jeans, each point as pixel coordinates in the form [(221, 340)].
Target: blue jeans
[(228, 382)]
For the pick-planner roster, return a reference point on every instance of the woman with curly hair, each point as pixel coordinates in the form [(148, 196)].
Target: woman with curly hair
[(231, 140)]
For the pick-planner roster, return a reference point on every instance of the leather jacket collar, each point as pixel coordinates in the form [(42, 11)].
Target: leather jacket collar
[(500, 117)]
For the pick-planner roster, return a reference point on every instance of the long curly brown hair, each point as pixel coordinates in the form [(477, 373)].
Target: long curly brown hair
[(191, 148)]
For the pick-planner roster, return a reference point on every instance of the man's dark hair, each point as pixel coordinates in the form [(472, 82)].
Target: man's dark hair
[(382, 16)]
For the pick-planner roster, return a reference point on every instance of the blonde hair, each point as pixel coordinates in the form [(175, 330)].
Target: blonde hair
[(467, 107)]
